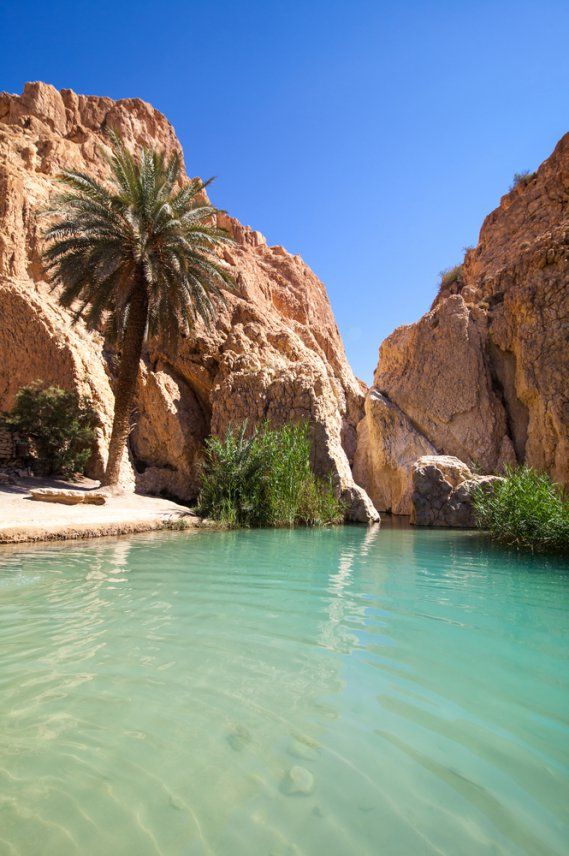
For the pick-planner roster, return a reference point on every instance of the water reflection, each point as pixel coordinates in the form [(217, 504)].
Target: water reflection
[(343, 610)]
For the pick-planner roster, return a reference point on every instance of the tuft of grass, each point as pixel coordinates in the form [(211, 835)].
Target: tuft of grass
[(450, 275), (265, 479), (522, 178), (526, 511)]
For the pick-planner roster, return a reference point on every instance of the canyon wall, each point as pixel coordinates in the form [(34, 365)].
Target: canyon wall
[(483, 375), (273, 352)]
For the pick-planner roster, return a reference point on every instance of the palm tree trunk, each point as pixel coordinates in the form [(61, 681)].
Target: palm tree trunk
[(126, 384)]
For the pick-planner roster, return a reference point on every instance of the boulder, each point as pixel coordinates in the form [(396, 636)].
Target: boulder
[(435, 372), (442, 492), (454, 471)]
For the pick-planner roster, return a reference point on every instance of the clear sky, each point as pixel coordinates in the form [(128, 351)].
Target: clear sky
[(370, 137)]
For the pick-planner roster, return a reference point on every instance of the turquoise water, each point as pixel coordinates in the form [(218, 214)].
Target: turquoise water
[(309, 692)]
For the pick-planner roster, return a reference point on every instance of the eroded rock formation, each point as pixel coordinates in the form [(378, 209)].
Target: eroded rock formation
[(443, 489), (484, 374), (274, 352), (388, 446)]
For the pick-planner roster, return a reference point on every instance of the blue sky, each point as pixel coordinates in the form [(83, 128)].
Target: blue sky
[(370, 137)]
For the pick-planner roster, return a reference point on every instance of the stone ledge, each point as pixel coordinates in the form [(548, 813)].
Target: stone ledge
[(68, 497)]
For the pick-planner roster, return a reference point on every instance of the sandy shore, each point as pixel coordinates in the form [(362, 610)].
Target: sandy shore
[(23, 520)]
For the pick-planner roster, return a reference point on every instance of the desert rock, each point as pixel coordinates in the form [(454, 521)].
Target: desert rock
[(388, 446), (483, 374), (442, 492), (274, 351)]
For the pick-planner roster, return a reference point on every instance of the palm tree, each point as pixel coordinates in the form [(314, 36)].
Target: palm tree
[(138, 254)]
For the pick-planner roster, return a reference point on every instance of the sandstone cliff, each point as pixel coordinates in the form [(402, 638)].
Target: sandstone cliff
[(484, 374), (274, 351)]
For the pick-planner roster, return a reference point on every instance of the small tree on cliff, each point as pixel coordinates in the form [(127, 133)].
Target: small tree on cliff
[(140, 254)]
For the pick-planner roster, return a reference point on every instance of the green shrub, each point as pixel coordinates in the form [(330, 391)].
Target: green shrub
[(232, 480), (522, 178), (265, 480), (59, 426), (450, 275), (526, 510)]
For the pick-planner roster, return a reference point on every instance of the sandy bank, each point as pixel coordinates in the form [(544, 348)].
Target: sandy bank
[(22, 520)]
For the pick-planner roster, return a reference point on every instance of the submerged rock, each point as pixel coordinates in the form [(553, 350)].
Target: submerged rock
[(239, 738), (298, 780)]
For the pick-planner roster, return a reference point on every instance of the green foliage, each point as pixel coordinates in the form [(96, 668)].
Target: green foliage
[(59, 426), (265, 480), (294, 495), (233, 478), (137, 255), (450, 276), (147, 231), (522, 178), (526, 510)]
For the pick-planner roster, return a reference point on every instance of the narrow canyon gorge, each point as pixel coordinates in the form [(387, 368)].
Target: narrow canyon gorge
[(481, 377)]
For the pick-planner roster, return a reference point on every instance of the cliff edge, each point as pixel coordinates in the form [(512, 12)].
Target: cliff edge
[(484, 374)]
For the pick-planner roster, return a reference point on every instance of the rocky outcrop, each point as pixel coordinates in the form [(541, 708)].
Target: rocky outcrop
[(483, 375), (274, 352), (443, 488), (38, 341), (436, 372), (388, 446)]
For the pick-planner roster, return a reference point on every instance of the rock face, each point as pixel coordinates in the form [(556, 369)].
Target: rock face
[(388, 446), (484, 374), (442, 492), (274, 352)]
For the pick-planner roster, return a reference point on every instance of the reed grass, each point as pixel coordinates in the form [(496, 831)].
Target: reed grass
[(526, 510), (264, 478)]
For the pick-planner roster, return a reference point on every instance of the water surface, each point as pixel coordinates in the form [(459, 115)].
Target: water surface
[(165, 694)]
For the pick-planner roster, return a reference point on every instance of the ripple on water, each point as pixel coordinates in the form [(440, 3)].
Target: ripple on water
[(343, 691)]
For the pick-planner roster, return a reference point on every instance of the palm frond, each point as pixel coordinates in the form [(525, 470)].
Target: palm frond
[(144, 230)]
